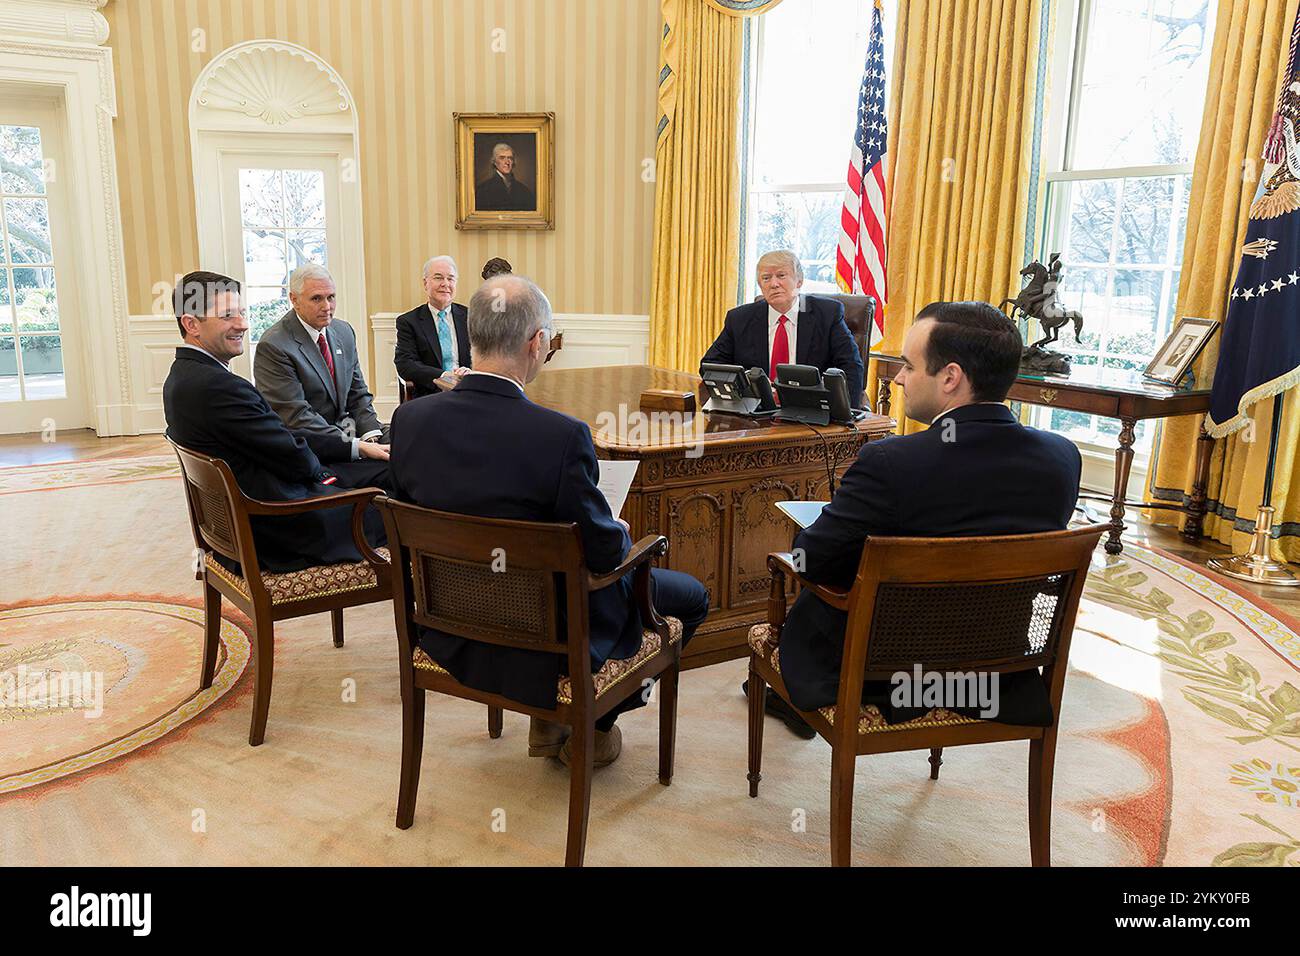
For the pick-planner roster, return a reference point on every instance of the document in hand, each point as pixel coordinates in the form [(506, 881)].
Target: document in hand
[(802, 513), (616, 481)]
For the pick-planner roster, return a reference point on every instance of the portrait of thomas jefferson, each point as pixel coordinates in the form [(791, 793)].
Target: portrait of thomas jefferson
[(511, 165)]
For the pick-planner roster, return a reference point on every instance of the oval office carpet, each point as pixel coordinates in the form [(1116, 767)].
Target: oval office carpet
[(1180, 740)]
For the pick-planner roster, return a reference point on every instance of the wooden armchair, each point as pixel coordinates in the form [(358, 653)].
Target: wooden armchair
[(219, 514), (994, 604), (447, 577)]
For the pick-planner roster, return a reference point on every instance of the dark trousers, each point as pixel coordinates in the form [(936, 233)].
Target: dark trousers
[(674, 594)]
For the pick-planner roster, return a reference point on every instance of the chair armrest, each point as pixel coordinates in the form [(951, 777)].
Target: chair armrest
[(781, 563), (648, 548), (355, 496)]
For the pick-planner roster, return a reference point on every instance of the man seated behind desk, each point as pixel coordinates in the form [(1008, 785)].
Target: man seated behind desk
[(788, 328), (975, 471), (433, 338), (485, 449), (307, 367), (213, 411)]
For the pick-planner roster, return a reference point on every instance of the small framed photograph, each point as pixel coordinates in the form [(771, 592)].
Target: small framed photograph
[(1178, 353), (505, 170)]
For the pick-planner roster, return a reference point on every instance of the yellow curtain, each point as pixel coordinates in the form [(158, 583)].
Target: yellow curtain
[(1247, 60), (964, 87)]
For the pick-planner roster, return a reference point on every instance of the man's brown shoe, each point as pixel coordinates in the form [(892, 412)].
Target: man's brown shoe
[(545, 737), (608, 747)]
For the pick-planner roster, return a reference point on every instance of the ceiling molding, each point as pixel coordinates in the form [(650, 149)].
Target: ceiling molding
[(59, 21)]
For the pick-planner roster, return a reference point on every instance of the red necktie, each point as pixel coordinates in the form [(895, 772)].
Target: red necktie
[(325, 354), (780, 347)]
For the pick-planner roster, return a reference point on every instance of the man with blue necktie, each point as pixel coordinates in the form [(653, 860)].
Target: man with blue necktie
[(433, 339)]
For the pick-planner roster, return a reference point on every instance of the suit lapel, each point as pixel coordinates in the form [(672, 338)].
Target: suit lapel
[(460, 315), (342, 372), (311, 351), (804, 335), (757, 338), (429, 322)]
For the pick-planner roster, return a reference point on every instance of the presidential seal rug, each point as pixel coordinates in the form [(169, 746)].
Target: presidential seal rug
[(1179, 741)]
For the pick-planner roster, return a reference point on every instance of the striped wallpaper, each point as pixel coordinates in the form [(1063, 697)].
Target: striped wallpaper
[(410, 64)]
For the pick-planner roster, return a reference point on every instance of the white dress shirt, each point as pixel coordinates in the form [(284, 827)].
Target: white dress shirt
[(504, 378), (455, 343), (773, 323)]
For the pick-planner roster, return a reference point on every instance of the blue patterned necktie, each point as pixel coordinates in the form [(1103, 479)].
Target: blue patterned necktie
[(444, 342)]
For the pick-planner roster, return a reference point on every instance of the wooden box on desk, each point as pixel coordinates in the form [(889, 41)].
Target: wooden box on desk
[(709, 483)]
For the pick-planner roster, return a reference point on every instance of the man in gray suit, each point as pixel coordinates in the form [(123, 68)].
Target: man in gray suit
[(306, 366)]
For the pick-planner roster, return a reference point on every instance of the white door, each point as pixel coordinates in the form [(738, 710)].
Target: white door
[(279, 211), (42, 385)]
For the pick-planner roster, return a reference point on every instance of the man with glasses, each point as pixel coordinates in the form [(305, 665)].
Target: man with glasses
[(433, 338)]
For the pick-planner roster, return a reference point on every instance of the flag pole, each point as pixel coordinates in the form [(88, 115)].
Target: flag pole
[(1258, 564)]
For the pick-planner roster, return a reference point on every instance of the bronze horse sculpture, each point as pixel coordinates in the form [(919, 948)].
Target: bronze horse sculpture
[(1037, 301)]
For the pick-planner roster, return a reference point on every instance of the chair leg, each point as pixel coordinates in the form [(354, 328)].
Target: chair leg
[(211, 635), (494, 721), (1042, 757), (936, 761), (668, 721), (336, 622), (757, 692), (843, 763), (581, 765), (264, 670), (412, 751)]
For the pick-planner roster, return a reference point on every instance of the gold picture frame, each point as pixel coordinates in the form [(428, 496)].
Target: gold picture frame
[(523, 195), (1180, 350)]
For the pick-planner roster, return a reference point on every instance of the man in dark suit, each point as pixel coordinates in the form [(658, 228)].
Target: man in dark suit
[(485, 449), (433, 339), (213, 411), (501, 192), (307, 367), (975, 471), (788, 328)]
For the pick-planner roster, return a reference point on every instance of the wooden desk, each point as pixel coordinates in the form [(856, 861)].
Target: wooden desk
[(708, 483), (1111, 393)]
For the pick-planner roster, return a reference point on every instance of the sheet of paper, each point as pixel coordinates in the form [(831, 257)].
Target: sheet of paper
[(802, 513), (616, 481)]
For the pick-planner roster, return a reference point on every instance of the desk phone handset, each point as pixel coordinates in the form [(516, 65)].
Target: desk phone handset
[(761, 388), (838, 386)]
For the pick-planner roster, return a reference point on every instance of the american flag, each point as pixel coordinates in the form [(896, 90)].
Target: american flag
[(860, 259)]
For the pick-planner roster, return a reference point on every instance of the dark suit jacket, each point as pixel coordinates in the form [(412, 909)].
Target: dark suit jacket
[(993, 477), (215, 412), (823, 340), (418, 354), (292, 374), (491, 195), (484, 449)]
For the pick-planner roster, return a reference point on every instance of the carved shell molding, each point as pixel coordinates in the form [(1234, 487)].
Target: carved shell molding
[(273, 82)]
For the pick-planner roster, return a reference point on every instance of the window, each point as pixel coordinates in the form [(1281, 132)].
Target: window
[(1124, 142), (31, 353), (282, 212), (805, 78)]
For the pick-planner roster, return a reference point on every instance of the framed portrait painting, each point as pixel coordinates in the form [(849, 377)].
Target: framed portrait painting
[(1180, 350), (505, 170)]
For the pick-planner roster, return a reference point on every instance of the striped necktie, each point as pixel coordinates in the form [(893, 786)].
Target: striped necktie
[(445, 344)]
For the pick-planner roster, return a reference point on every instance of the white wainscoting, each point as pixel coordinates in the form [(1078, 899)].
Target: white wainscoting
[(589, 340)]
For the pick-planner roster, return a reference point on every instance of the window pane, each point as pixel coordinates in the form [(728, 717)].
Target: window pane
[(28, 222), (264, 258), (43, 367), (1143, 83), (1144, 220), (304, 197), (6, 304), (1083, 290), (1134, 313), (1092, 219), (266, 306), (260, 197), (9, 388), (37, 304), (306, 245), (810, 71), (23, 169), (808, 223)]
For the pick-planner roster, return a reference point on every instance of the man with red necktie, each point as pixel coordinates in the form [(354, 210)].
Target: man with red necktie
[(788, 327)]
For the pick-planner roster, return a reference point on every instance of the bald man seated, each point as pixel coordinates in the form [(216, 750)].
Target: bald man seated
[(433, 338)]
